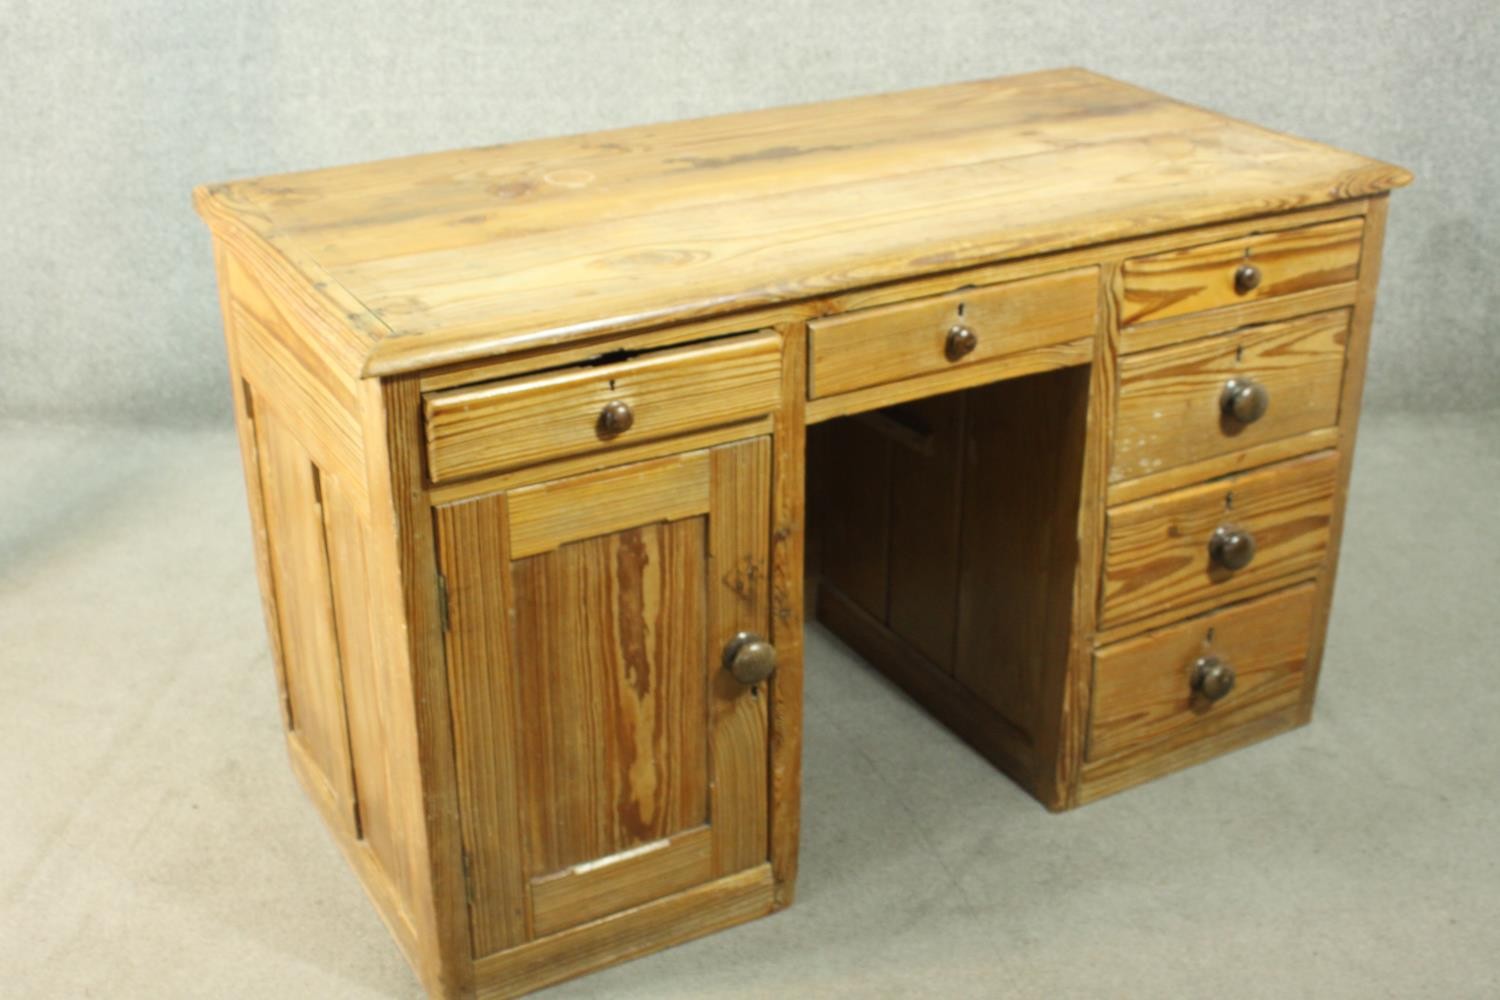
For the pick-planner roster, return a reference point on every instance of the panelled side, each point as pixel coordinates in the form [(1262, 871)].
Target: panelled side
[(301, 438)]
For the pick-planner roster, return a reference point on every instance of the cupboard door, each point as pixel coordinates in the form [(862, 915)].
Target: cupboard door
[(605, 756)]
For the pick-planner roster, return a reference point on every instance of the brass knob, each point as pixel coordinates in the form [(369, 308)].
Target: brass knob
[(750, 658), (615, 418), (1231, 547), (1246, 278), (961, 340), (1244, 399), (1212, 677)]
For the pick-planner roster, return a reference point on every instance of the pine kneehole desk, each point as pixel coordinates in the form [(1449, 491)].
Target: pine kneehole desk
[(1040, 392)]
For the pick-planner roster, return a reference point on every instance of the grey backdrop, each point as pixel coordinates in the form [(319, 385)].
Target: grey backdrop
[(112, 111)]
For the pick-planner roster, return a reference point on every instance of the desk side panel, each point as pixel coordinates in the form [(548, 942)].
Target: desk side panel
[(345, 699)]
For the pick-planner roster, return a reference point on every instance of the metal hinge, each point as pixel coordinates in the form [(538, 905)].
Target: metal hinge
[(442, 582)]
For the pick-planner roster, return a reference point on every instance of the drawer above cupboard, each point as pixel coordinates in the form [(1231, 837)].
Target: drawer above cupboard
[(599, 406), (1196, 401), (969, 327)]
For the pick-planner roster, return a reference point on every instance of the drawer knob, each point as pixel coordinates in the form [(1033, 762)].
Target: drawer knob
[(961, 341), (615, 418), (750, 658), (1231, 547), (1212, 677), (1246, 278), (1244, 400)]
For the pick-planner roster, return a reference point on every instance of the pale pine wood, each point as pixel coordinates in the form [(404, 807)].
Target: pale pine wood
[(1200, 278), (1107, 777), (1061, 727), (310, 654), (516, 422), (419, 350), (649, 927), (1356, 357), (468, 254), (1169, 399), (1156, 555), (1042, 359), (1219, 466), (594, 889), (739, 600), (614, 715), (1179, 329), (330, 432), (891, 343), (404, 572), (1143, 686), (475, 562), (548, 515), (788, 520)]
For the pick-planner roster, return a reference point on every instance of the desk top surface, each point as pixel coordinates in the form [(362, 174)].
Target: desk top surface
[(452, 256)]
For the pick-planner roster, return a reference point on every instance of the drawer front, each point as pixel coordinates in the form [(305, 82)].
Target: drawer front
[(1210, 397), (890, 343), (1171, 682), (522, 421), (1190, 546), (1198, 278)]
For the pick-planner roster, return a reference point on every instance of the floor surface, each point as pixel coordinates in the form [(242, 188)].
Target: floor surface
[(153, 842)]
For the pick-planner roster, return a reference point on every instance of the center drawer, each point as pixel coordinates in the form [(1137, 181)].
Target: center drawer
[(1210, 543), (592, 407), (890, 343)]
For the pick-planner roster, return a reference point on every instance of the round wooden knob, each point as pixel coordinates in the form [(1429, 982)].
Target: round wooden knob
[(1212, 677), (615, 418), (1246, 278), (961, 340), (750, 658), (1244, 400), (1231, 547)]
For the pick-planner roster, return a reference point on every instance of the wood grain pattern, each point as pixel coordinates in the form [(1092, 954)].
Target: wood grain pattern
[(485, 703), (614, 749), (1023, 455), (1143, 686), (498, 635), (469, 254), (1169, 399), (1041, 359), (591, 890), (1355, 359), (520, 421), (1219, 466), (407, 611), (1156, 556), (649, 927), (547, 515), (1066, 699), (926, 500), (739, 600), (1178, 329), (895, 342), (788, 535), (310, 653), (1201, 278)]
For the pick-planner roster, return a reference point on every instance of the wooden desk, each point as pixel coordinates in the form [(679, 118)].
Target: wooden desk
[(1071, 372)]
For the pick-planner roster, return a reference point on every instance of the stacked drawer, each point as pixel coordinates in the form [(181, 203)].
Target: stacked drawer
[(1223, 488)]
